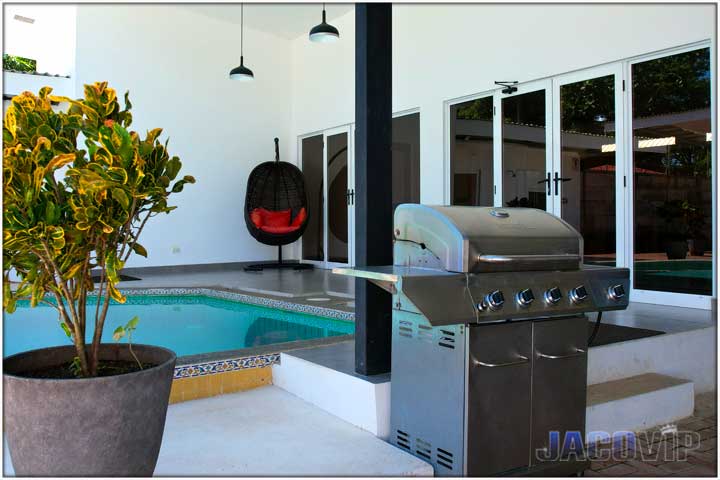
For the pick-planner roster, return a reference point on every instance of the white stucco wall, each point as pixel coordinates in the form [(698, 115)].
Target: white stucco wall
[(442, 52), (175, 64)]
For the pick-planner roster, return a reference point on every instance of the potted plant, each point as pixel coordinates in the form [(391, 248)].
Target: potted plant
[(675, 215), (90, 408), (696, 229)]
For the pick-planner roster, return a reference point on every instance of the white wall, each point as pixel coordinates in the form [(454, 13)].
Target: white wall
[(50, 39), (175, 64), (442, 52)]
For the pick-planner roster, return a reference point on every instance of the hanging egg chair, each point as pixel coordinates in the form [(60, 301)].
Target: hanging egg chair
[(276, 210)]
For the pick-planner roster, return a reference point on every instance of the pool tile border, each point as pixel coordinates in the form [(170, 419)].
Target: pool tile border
[(229, 365), (243, 298)]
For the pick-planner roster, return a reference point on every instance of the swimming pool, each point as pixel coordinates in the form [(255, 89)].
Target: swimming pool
[(186, 324)]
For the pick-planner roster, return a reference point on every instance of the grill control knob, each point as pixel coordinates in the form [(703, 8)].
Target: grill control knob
[(525, 297), (616, 292), (553, 295), (578, 294), (495, 300)]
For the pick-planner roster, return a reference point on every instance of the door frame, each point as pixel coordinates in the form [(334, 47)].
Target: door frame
[(620, 158), (348, 129)]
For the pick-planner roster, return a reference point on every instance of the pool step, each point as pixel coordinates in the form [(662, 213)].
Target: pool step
[(325, 377), (637, 403)]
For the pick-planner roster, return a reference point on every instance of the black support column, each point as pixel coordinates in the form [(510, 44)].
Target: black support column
[(373, 182)]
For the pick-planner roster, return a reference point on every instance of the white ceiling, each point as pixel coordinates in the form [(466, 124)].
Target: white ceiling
[(288, 20)]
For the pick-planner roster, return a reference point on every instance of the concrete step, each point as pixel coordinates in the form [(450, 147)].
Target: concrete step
[(636, 403), (325, 377), (269, 432)]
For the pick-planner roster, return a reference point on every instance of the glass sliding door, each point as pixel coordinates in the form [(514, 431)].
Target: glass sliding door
[(672, 174), (326, 163), (526, 156), (584, 178), (311, 160), (338, 197), (471, 153)]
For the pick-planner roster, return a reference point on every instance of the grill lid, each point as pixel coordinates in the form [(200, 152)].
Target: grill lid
[(484, 239)]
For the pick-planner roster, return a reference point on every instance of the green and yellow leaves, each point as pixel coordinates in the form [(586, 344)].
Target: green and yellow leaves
[(66, 209), (126, 330)]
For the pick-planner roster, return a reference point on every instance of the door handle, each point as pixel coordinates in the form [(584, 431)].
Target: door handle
[(520, 360), (557, 180), (578, 352), (547, 181)]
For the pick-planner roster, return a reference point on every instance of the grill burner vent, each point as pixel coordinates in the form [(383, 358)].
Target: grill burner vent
[(447, 339), (405, 329), (425, 333), (444, 458), (403, 440), (423, 448)]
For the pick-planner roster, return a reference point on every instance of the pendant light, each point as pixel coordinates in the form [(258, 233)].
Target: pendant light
[(241, 73), (324, 32)]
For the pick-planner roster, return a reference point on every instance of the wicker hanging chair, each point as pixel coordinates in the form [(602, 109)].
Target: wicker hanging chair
[(276, 210)]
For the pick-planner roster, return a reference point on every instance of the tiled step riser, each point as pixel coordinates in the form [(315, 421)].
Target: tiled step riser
[(361, 403), (640, 412), (691, 355)]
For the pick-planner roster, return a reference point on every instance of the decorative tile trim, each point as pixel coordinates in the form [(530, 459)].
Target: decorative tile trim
[(223, 366), (243, 298)]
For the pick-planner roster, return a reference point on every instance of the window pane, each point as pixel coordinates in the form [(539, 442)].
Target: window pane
[(471, 153), (312, 167), (523, 135), (406, 159), (672, 173), (587, 139), (337, 171)]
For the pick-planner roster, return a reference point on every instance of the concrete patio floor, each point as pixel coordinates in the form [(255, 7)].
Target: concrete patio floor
[(270, 432)]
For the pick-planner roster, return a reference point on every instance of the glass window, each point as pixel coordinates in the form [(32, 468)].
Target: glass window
[(524, 145), (672, 173), (471, 153), (406, 159), (587, 169), (312, 167), (337, 172)]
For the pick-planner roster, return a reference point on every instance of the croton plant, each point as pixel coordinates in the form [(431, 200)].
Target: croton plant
[(68, 211)]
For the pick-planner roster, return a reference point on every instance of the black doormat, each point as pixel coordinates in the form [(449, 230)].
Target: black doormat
[(609, 333), (123, 278)]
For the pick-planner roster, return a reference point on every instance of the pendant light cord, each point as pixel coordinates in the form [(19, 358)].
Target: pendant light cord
[(242, 30)]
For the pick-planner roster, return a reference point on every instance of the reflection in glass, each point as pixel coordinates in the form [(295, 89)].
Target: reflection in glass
[(471, 154), (524, 165), (587, 170), (672, 173), (337, 172), (406, 159), (312, 168)]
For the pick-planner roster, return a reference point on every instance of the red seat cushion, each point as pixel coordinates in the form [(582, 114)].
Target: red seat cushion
[(262, 217), (299, 218), (256, 218), (278, 230)]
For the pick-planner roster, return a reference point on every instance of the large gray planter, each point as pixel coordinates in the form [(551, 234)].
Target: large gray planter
[(107, 426)]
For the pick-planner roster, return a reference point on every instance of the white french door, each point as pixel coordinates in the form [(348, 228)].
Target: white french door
[(587, 175), (522, 146), (326, 159)]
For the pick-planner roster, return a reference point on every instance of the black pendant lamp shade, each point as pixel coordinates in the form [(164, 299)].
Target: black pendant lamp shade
[(324, 32), (241, 72)]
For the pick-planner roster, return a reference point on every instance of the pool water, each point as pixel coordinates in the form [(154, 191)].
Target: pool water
[(188, 325)]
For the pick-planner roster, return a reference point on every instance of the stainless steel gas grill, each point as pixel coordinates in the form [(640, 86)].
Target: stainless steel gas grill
[(489, 346)]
